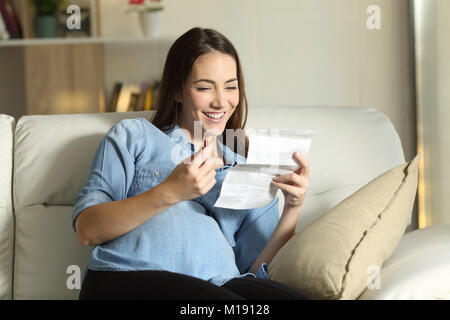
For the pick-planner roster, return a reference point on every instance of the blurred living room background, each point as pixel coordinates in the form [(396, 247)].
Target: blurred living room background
[(390, 55)]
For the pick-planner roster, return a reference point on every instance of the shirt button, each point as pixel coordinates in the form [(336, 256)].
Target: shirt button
[(156, 173)]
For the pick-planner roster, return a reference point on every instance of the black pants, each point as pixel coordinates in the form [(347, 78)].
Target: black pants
[(164, 285)]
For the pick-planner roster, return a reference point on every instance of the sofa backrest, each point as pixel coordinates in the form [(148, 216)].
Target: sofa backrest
[(52, 156), (7, 125), (354, 145)]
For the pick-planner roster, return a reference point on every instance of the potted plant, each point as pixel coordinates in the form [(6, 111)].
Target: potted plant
[(150, 15), (45, 20)]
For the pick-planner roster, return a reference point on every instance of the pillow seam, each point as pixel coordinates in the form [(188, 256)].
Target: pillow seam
[(394, 196)]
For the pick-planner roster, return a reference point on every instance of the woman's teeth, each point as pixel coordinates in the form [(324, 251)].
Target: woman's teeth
[(214, 115)]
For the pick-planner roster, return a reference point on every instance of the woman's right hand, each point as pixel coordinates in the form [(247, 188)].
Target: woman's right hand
[(194, 176)]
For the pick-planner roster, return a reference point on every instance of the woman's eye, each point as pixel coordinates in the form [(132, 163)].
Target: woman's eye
[(204, 88)]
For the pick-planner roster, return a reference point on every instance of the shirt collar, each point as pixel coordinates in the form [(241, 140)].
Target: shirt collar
[(177, 135), (231, 158)]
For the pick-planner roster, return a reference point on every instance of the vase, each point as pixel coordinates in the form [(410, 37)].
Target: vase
[(46, 26), (151, 22)]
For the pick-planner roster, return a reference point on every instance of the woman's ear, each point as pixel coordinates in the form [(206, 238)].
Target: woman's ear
[(178, 98)]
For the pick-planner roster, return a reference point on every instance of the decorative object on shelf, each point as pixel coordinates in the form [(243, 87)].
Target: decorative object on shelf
[(150, 15), (46, 21)]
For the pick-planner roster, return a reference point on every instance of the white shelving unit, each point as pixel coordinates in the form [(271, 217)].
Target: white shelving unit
[(81, 40), (74, 75), (77, 74)]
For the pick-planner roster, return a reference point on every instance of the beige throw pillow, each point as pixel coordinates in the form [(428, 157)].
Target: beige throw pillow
[(335, 256)]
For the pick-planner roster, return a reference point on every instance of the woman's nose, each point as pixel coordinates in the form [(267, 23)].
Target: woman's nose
[(219, 99)]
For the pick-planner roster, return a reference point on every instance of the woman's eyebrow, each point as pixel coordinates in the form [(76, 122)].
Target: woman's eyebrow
[(212, 82)]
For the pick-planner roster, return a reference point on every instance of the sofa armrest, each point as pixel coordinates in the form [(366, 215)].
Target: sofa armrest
[(417, 269), (7, 126)]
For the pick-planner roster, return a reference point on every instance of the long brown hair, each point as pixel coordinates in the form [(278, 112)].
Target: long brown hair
[(178, 66)]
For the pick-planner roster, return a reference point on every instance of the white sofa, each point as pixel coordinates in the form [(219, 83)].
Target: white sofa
[(44, 161)]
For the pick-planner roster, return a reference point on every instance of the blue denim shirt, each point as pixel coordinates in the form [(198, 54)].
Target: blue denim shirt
[(191, 237)]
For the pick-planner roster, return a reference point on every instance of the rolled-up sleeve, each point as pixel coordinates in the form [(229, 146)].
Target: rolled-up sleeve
[(253, 235), (112, 168)]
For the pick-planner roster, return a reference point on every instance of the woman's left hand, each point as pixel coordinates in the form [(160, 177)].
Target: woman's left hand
[(294, 185)]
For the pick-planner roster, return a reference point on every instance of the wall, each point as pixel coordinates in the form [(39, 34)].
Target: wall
[(432, 25)]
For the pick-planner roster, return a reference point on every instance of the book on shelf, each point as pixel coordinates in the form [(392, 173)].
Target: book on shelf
[(150, 97), (148, 100), (10, 19), (125, 101), (115, 97), (133, 97), (141, 98), (134, 100)]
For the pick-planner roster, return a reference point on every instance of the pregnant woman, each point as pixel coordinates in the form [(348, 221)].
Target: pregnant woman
[(147, 206)]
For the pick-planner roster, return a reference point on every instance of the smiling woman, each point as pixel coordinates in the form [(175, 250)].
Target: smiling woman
[(151, 217), (203, 82)]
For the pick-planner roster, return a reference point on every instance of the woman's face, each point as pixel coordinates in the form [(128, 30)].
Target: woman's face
[(211, 93)]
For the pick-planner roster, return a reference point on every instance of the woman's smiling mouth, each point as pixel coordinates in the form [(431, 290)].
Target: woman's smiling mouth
[(214, 116)]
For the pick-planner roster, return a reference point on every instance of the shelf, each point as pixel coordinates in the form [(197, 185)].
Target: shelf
[(80, 40)]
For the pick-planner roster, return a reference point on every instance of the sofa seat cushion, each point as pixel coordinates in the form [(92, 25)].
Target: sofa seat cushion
[(418, 269)]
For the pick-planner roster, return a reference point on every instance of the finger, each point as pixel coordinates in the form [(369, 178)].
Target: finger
[(206, 178), (304, 165), (294, 191), (208, 186), (209, 137), (211, 164), (204, 181), (292, 179), (203, 154), (291, 190)]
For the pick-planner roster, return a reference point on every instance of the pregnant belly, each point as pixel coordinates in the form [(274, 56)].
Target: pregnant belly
[(181, 239)]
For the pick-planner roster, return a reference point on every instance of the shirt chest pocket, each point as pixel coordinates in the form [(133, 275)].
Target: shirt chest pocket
[(148, 178)]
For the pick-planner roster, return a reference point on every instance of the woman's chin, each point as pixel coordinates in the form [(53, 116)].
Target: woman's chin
[(213, 131)]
